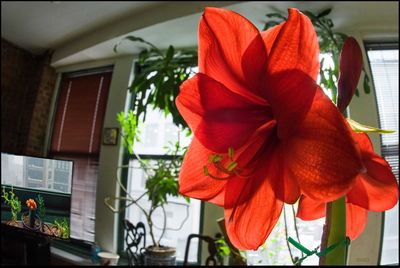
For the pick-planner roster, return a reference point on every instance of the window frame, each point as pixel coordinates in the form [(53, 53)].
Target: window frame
[(385, 150)]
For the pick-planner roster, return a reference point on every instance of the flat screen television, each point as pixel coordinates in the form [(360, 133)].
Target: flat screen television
[(36, 195)]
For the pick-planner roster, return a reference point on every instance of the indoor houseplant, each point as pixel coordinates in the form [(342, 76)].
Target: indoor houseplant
[(158, 76), (161, 183)]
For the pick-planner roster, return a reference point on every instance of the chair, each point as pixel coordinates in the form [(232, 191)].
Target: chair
[(212, 259), (133, 239)]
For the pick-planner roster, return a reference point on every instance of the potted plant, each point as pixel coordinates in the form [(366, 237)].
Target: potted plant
[(161, 183), (159, 75)]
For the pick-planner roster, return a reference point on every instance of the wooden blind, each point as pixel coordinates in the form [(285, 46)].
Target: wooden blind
[(80, 114), (76, 136)]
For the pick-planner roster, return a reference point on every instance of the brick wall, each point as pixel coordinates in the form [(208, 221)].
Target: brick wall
[(27, 86)]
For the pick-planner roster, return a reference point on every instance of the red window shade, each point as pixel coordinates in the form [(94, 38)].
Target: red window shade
[(79, 118)]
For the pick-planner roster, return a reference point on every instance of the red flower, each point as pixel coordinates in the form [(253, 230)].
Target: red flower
[(350, 66), (31, 204), (256, 95), (375, 189)]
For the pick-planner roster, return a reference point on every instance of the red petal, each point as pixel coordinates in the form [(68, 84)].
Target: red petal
[(293, 66), (295, 47), (322, 156), (290, 95), (192, 180), (356, 218), (364, 143), (284, 183), (377, 189), (219, 117), (194, 183), (350, 65), (270, 35), (232, 52), (309, 209), (251, 210)]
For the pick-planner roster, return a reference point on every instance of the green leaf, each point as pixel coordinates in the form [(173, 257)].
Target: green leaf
[(270, 24), (357, 127), (276, 15), (367, 89), (324, 12), (170, 54)]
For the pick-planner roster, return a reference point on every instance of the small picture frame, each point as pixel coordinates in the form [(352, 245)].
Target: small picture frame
[(110, 136)]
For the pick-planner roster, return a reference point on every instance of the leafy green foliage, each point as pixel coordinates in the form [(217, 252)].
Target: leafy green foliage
[(223, 249), (163, 181), (159, 75), (130, 131), (330, 42), (63, 227), (13, 202), (41, 208)]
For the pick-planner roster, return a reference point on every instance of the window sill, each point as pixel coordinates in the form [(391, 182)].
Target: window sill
[(62, 256)]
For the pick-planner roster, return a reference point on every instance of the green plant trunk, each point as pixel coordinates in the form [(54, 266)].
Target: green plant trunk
[(32, 218), (336, 213)]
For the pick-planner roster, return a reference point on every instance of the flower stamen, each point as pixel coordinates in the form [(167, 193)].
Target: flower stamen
[(232, 169)]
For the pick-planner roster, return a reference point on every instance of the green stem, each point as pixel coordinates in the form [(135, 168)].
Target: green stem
[(31, 218), (336, 228)]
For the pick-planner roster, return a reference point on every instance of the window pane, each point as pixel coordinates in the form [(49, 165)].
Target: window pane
[(157, 132), (385, 71), (275, 250)]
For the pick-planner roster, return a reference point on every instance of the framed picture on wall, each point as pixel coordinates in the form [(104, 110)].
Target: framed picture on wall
[(110, 136)]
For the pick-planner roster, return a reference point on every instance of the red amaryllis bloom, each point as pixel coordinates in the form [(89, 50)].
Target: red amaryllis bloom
[(264, 132), (31, 204), (350, 65), (375, 189)]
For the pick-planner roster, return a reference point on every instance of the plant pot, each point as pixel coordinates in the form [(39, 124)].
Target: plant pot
[(160, 256), (37, 225)]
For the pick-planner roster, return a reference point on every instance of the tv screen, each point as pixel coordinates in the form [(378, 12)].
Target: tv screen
[(36, 194)]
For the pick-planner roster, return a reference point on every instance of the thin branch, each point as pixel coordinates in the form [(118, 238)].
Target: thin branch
[(286, 235), (295, 228)]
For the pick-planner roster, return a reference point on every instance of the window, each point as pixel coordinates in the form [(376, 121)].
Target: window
[(275, 250), (76, 136), (384, 63), (182, 218)]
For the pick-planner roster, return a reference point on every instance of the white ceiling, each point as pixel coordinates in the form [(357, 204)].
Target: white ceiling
[(84, 31)]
